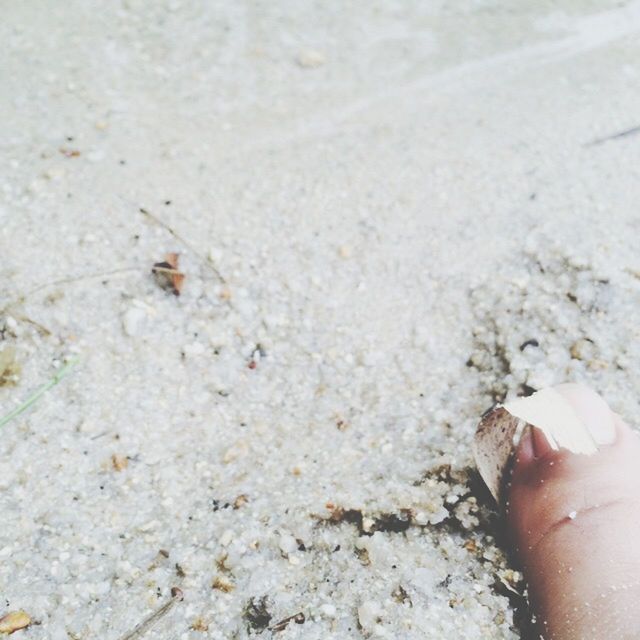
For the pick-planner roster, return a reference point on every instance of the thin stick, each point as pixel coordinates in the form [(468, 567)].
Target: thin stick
[(71, 279), (167, 270), (40, 327), (38, 393), (141, 628), (179, 238), (78, 278), (614, 136)]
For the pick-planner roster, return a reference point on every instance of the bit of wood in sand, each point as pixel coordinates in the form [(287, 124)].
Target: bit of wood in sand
[(141, 628)]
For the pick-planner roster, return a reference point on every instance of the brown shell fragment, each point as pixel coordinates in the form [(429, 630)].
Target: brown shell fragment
[(493, 447), (500, 429)]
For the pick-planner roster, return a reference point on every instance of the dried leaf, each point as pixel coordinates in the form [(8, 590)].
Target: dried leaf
[(167, 274)]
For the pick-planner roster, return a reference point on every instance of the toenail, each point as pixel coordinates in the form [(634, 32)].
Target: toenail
[(592, 410)]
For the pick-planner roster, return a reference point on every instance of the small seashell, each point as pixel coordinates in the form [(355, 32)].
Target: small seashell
[(499, 432)]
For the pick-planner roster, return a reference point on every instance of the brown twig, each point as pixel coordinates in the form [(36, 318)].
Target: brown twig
[(142, 627), (179, 238), (89, 276), (40, 327), (281, 625), (167, 270)]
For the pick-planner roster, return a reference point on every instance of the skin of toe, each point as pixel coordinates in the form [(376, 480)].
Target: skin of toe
[(545, 492), (572, 518)]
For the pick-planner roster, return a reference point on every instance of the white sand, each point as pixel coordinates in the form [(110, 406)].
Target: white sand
[(397, 198)]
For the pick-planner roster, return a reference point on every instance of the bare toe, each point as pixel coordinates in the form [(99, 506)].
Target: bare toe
[(575, 521)]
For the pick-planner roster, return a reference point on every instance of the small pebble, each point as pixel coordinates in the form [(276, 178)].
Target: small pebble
[(226, 538), (369, 613), (328, 610), (310, 59), (288, 544), (132, 321), (344, 251)]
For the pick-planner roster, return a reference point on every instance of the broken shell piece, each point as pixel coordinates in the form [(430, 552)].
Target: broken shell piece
[(500, 429), (553, 414), (493, 446), (14, 621)]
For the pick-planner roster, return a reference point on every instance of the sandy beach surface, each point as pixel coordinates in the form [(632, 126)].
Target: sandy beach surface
[(389, 215)]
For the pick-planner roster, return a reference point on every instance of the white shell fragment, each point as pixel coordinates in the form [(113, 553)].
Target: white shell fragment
[(499, 432), (553, 414)]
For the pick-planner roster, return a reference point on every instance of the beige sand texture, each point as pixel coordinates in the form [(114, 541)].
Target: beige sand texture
[(389, 216)]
